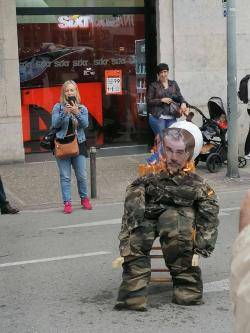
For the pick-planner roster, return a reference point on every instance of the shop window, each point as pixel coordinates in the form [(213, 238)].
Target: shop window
[(104, 54), (79, 3)]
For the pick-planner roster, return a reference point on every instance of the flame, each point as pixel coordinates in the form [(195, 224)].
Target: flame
[(146, 169)]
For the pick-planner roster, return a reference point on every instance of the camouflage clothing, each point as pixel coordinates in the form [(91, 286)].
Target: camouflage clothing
[(168, 206)]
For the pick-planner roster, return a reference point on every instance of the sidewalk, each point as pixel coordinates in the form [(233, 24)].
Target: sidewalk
[(36, 185)]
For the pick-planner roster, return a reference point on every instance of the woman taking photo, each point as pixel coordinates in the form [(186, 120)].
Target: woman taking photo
[(70, 117), (159, 97)]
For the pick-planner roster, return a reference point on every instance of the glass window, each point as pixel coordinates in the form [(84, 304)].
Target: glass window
[(104, 54), (79, 3)]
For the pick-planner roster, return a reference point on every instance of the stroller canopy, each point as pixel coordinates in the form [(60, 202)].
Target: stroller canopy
[(215, 107)]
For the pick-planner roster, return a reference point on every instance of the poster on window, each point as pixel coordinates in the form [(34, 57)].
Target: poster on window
[(113, 82)]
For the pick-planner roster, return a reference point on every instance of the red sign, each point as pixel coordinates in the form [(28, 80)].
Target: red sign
[(37, 104), (113, 82)]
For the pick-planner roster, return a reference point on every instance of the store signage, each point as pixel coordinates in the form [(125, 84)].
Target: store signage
[(79, 21), (74, 21), (113, 82)]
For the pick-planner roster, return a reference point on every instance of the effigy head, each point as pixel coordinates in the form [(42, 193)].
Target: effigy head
[(182, 142), (196, 133)]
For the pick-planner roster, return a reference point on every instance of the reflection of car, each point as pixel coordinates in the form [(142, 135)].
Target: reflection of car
[(54, 67)]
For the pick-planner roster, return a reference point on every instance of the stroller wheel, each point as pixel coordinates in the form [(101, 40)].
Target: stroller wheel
[(242, 161), (214, 162)]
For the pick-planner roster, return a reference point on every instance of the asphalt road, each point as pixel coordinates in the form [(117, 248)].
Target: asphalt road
[(56, 276)]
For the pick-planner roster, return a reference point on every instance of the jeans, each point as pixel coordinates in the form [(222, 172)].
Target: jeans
[(79, 166), (159, 124), (2, 195)]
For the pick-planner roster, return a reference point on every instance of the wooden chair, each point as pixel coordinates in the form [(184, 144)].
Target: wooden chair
[(159, 255)]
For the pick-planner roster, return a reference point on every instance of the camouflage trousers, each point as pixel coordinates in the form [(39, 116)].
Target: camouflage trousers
[(174, 228)]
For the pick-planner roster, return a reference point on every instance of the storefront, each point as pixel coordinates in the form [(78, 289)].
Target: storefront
[(101, 46)]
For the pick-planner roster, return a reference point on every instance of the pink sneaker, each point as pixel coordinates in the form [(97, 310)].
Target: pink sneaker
[(67, 208), (86, 204)]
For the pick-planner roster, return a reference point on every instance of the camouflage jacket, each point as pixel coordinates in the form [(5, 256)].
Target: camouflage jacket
[(149, 196)]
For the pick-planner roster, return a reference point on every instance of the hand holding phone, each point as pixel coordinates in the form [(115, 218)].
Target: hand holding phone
[(71, 100)]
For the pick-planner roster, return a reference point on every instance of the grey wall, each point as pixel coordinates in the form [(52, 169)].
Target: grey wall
[(11, 141), (199, 49)]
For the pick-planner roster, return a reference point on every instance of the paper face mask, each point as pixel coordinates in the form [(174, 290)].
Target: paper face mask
[(178, 147)]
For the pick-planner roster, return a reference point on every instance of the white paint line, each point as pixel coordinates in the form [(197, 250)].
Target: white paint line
[(216, 286), (230, 209), (89, 224), (35, 261), (115, 221), (229, 192)]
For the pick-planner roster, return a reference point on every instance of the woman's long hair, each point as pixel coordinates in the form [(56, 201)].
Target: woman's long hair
[(64, 86)]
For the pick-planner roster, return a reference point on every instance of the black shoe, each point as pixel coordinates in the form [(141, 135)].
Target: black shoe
[(7, 209), (123, 306)]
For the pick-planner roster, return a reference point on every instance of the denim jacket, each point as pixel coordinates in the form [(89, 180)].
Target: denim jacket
[(60, 120)]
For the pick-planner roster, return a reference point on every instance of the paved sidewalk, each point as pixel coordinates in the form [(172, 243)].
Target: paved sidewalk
[(36, 185)]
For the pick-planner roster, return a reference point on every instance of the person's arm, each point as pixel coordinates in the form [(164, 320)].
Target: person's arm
[(82, 117), (179, 96), (240, 270), (206, 221), (134, 209), (58, 116)]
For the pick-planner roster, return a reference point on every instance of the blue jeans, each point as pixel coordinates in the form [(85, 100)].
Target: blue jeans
[(79, 166), (159, 124)]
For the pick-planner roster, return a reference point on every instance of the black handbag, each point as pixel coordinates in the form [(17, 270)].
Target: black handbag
[(175, 110), (47, 141)]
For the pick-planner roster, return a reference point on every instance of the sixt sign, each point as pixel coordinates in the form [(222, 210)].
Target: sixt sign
[(73, 21)]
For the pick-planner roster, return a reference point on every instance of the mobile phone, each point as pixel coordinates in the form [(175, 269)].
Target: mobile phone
[(71, 100)]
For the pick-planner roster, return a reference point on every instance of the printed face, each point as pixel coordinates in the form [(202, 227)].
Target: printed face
[(223, 117), (163, 75), (176, 155), (70, 90)]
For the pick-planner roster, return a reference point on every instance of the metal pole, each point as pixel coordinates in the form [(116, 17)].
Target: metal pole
[(232, 155), (93, 171)]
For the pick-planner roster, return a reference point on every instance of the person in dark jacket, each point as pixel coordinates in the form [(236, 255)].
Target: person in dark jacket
[(159, 97), (172, 205), (4, 204)]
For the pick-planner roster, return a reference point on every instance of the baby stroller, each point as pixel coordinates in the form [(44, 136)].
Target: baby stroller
[(214, 150)]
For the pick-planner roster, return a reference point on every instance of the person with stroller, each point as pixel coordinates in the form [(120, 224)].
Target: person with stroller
[(160, 95), (71, 117), (170, 204)]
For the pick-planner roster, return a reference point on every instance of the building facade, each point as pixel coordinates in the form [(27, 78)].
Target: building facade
[(110, 48)]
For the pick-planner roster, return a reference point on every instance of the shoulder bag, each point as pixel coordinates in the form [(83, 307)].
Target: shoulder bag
[(47, 141), (67, 147), (175, 110)]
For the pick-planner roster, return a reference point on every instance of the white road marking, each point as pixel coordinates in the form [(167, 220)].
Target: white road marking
[(35, 261), (216, 286), (88, 224), (233, 191), (229, 209), (117, 221)]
